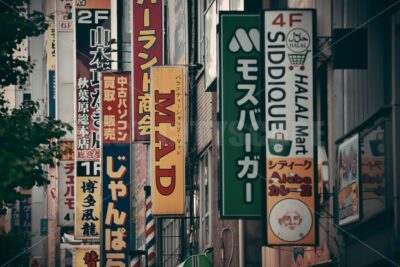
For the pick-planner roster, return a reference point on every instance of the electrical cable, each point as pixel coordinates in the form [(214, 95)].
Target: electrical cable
[(223, 247)]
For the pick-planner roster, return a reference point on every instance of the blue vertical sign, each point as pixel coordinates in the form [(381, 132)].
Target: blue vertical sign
[(52, 96), (116, 168), (116, 204)]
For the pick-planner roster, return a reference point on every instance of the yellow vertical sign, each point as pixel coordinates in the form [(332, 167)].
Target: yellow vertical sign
[(51, 46), (88, 205), (168, 84)]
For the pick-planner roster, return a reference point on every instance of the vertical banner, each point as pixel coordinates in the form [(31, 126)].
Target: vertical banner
[(88, 200), (116, 166), (240, 127), (93, 35), (349, 180), (65, 15), (66, 185), (87, 256), (372, 150), (51, 69), (92, 55), (147, 32), (25, 214), (168, 87), (291, 187)]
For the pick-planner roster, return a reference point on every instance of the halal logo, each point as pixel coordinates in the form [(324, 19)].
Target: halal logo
[(298, 40)]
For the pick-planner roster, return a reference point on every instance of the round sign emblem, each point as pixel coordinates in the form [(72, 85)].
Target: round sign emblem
[(298, 40), (290, 220), (278, 148)]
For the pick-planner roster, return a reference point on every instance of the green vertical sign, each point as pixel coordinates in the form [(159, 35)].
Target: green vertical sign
[(240, 123)]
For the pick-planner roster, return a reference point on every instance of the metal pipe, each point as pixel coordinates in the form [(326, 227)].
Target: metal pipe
[(241, 243)]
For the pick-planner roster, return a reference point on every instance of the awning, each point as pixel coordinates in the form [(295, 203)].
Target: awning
[(202, 260)]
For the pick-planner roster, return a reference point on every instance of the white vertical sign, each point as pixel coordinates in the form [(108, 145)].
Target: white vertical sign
[(290, 133)]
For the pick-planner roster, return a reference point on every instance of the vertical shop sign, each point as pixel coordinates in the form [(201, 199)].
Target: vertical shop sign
[(88, 200), (147, 51), (66, 185), (349, 180), (25, 213), (168, 87), (240, 109), (51, 69), (116, 160), (92, 55), (93, 36), (291, 188), (372, 150), (87, 256), (65, 15)]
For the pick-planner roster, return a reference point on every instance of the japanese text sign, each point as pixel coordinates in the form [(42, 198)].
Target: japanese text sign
[(88, 200), (51, 66), (25, 213), (51, 46), (66, 185), (93, 35), (116, 107), (147, 32), (66, 177), (349, 180), (116, 205), (87, 256), (240, 127), (168, 87), (291, 189), (116, 150)]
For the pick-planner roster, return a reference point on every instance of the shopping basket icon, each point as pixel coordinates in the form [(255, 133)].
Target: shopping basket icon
[(297, 60)]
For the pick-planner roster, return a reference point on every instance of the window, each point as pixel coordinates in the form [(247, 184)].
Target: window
[(171, 244), (177, 32), (200, 26), (210, 45), (205, 179)]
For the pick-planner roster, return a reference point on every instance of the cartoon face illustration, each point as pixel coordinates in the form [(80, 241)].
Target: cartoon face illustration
[(290, 220)]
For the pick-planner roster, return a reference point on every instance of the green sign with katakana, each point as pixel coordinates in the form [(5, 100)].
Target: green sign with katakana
[(240, 120)]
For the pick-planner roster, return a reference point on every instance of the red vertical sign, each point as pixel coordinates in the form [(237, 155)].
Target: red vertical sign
[(147, 52)]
